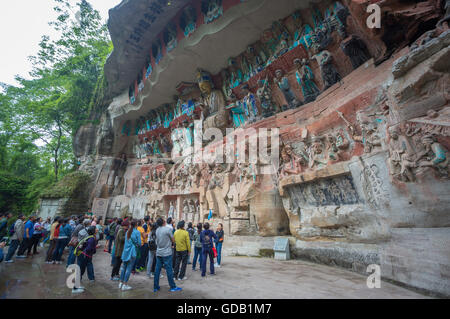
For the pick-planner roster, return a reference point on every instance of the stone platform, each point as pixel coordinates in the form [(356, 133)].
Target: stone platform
[(239, 277)]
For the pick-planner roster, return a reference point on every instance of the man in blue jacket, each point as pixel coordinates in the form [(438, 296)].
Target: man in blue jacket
[(206, 238)]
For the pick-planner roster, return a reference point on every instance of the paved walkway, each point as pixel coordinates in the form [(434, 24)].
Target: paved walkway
[(239, 277)]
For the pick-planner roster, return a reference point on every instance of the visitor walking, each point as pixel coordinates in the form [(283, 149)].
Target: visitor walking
[(75, 239), (2, 245), (183, 248), (151, 264), (118, 249), (37, 235), (206, 237), (197, 247), (112, 231), (63, 238), (27, 242), (164, 241), (47, 226), (191, 232), (141, 262), (4, 224), (113, 256), (53, 240), (130, 254), (16, 238), (100, 229), (87, 246), (219, 241)]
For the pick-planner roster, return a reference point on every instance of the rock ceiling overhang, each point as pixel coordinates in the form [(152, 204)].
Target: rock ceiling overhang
[(125, 26), (209, 48)]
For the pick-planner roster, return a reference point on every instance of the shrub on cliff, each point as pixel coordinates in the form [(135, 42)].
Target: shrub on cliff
[(70, 186)]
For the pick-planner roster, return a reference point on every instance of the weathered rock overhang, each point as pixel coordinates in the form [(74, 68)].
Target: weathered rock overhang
[(208, 48)]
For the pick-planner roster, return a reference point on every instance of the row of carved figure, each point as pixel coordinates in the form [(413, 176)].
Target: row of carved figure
[(260, 55), (413, 150)]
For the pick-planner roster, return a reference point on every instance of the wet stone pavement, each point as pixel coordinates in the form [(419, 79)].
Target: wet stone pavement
[(239, 277)]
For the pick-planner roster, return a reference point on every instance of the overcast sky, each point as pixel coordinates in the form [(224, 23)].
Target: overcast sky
[(22, 23)]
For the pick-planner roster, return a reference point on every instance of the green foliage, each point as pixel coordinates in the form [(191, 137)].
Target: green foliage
[(69, 186), (40, 116), (12, 192)]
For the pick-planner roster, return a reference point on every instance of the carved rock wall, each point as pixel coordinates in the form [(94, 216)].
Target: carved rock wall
[(360, 167)]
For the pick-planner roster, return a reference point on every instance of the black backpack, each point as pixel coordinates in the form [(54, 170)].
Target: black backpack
[(152, 242)]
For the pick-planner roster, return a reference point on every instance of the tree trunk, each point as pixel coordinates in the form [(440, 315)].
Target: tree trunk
[(56, 156)]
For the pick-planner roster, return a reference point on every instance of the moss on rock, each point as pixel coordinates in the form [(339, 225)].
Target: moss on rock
[(75, 187)]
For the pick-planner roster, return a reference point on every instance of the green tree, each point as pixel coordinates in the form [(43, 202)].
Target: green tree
[(40, 116)]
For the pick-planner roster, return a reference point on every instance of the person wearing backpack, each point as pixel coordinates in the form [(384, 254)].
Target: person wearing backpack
[(151, 251), (16, 238), (131, 252), (191, 232), (75, 239), (197, 247), (112, 231), (206, 237), (118, 250), (85, 251)]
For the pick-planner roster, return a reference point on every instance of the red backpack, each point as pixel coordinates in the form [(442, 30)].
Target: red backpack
[(56, 233)]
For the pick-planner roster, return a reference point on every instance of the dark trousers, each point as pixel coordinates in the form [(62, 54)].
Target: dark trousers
[(35, 242), (181, 258), (174, 256), (111, 241), (26, 244), (205, 254), (165, 262), (197, 255), (116, 268), (141, 263), (12, 249), (86, 263), (51, 250), (154, 262), (60, 245)]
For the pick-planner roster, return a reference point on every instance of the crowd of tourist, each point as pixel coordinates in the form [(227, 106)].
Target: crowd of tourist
[(135, 245)]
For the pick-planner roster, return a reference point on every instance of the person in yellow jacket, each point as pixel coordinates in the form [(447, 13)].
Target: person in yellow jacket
[(183, 248), (140, 264)]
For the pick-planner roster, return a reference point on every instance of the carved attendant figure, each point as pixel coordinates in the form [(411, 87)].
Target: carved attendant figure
[(249, 101), (356, 50), (330, 75), (305, 77), (285, 87), (264, 94)]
